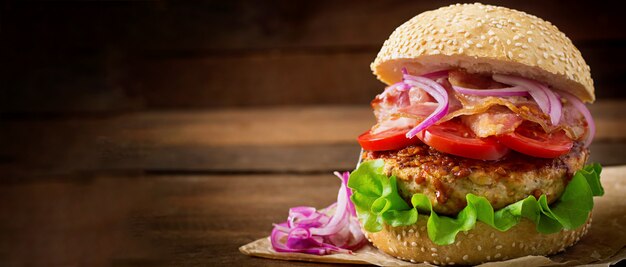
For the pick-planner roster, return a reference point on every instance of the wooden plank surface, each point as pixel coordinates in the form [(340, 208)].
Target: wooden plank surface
[(181, 187), (282, 140), (162, 220)]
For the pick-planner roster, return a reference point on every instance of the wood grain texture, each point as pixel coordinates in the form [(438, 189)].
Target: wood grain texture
[(283, 140), (138, 55), (149, 220)]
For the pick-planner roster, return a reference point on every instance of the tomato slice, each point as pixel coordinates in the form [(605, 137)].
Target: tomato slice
[(531, 139), (455, 138), (392, 139)]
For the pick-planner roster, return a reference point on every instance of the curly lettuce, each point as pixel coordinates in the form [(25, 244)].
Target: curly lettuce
[(377, 202)]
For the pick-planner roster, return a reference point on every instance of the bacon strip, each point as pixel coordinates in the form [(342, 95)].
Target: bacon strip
[(485, 115)]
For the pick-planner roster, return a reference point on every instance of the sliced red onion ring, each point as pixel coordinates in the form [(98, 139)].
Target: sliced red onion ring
[(556, 108), (308, 230), (580, 106), (510, 91), (435, 75), (437, 92), (545, 98)]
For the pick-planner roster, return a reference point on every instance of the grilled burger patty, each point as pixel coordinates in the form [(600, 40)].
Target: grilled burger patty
[(446, 179)]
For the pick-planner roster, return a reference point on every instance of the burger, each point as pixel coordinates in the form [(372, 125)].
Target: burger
[(479, 149)]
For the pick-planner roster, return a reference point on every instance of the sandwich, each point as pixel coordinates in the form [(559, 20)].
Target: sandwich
[(480, 147)]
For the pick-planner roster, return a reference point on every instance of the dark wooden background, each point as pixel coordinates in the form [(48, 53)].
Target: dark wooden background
[(138, 133), (102, 56)]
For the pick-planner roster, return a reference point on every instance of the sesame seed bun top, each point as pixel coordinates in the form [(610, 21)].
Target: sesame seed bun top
[(485, 39)]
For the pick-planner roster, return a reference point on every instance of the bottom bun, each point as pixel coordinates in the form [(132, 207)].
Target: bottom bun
[(481, 244)]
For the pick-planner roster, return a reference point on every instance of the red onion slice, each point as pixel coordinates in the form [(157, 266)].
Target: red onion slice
[(580, 106), (510, 91), (437, 92), (308, 230), (434, 75), (545, 98)]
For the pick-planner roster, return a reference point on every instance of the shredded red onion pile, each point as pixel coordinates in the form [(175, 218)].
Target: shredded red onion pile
[(312, 231)]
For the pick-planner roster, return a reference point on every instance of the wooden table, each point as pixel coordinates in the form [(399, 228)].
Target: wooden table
[(182, 187)]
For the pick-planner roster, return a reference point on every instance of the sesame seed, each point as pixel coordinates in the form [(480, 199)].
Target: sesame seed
[(545, 55), (492, 40), (467, 34), (508, 42), (451, 263), (465, 257), (509, 54), (517, 36), (479, 24), (403, 232), (433, 249), (429, 38), (492, 235), (405, 243), (411, 230), (399, 237), (525, 46), (417, 234), (436, 262), (413, 244), (490, 32), (434, 255), (442, 30), (521, 55), (499, 247), (529, 32), (517, 24), (516, 44), (469, 41), (413, 261), (460, 50), (482, 37), (479, 248), (466, 45), (513, 245), (422, 249), (479, 45), (530, 40), (436, 52), (497, 255)]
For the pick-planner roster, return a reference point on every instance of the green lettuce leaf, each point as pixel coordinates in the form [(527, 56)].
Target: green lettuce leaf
[(377, 202)]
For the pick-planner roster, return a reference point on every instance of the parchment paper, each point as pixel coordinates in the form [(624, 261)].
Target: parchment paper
[(605, 244)]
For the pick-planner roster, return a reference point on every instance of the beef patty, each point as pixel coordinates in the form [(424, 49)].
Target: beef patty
[(446, 179)]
